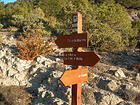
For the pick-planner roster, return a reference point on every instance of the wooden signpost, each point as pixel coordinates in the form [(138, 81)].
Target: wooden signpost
[(77, 58)]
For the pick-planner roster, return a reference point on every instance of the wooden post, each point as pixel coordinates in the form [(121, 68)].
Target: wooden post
[(76, 89)]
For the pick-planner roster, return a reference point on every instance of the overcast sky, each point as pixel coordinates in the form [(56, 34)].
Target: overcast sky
[(7, 1)]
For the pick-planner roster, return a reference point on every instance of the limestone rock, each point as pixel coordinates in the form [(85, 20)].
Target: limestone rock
[(9, 81), (24, 83), (112, 85), (42, 77), (12, 72), (57, 101), (88, 97), (119, 73), (125, 103), (21, 76), (113, 68), (43, 94), (57, 59), (132, 92), (138, 76), (102, 84), (40, 59), (110, 99), (2, 53)]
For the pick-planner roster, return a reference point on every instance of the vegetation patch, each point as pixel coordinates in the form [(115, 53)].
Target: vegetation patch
[(33, 45), (1, 26)]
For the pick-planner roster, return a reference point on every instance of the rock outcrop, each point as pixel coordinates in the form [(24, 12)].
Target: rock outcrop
[(109, 84)]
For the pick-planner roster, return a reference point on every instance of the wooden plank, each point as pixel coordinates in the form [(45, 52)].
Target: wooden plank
[(81, 58), (72, 40), (76, 76), (76, 94)]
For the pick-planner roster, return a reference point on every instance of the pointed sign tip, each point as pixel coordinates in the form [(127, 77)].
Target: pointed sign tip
[(71, 77)]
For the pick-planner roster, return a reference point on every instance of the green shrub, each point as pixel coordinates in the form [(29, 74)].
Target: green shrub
[(108, 24), (1, 26), (18, 20), (116, 17), (33, 16), (136, 24), (102, 1), (27, 20), (12, 28), (46, 27), (38, 26), (1, 39), (129, 3), (35, 20), (125, 3), (103, 37)]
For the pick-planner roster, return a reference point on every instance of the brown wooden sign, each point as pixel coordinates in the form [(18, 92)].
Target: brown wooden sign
[(75, 76), (81, 58), (72, 40), (77, 58)]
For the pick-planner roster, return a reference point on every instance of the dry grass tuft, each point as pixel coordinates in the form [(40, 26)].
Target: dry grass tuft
[(33, 45)]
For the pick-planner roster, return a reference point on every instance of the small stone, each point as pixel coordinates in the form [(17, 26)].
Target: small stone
[(49, 80), (102, 84), (112, 85), (12, 72), (22, 62), (4, 59), (8, 52), (120, 73), (57, 74), (20, 65), (58, 101), (2, 54), (12, 60), (57, 59), (5, 73), (21, 76), (14, 66), (132, 92), (33, 69), (138, 77), (23, 83), (9, 82), (43, 94), (113, 68), (45, 63), (38, 59), (49, 93), (110, 99), (124, 103)]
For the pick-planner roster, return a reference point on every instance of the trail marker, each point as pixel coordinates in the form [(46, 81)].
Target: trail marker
[(71, 77), (72, 40), (81, 58), (77, 58)]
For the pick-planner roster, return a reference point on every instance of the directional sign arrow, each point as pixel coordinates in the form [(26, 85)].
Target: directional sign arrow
[(81, 58), (72, 40), (71, 77)]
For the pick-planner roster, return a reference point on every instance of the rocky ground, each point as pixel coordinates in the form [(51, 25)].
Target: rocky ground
[(113, 81)]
